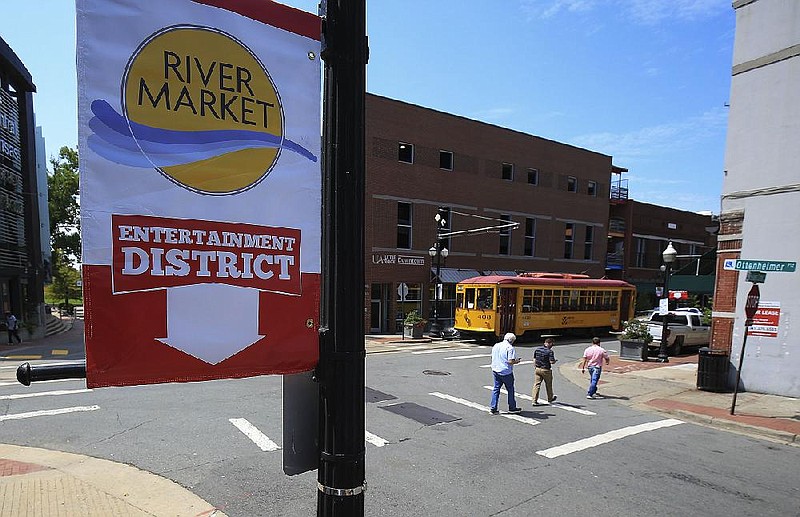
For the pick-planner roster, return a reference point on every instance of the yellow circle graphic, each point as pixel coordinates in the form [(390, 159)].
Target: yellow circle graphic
[(203, 109)]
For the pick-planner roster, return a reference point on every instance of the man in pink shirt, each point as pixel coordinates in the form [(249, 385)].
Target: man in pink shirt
[(593, 358)]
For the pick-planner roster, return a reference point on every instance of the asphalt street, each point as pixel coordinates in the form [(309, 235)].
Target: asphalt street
[(432, 448)]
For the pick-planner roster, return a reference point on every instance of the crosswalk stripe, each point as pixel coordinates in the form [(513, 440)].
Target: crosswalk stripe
[(17, 383), (260, 439), (610, 436), (48, 412), (375, 440), (518, 364), (481, 407), (559, 405), (41, 394), (473, 356)]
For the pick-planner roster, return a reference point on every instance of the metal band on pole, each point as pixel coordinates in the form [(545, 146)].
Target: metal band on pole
[(342, 492)]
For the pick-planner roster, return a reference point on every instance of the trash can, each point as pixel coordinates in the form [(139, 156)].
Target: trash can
[(712, 370)]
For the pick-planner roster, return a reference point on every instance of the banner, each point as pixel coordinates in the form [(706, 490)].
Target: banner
[(199, 139)]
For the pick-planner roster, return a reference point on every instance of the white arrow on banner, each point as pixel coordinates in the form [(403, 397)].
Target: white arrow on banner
[(197, 325)]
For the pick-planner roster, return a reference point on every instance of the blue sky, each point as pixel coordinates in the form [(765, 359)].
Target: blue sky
[(644, 81)]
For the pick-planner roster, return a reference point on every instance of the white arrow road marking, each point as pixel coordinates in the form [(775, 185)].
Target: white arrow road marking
[(48, 412), (252, 432), (565, 407), (435, 351), (518, 364), (375, 440), (481, 407), (41, 394), (600, 439), (196, 326), (473, 356)]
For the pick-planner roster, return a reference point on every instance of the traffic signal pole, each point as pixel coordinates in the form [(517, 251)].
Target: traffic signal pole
[(341, 478)]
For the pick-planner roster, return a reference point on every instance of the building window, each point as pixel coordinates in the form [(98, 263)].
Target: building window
[(505, 237), (404, 226), (572, 184), (405, 152), (591, 188), (640, 257), (446, 160), (587, 243), (508, 171), (569, 232), (412, 302), (533, 176), (530, 236)]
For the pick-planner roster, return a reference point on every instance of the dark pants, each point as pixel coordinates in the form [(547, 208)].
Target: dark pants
[(14, 334)]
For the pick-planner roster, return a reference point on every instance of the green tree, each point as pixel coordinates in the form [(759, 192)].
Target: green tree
[(65, 282), (64, 207)]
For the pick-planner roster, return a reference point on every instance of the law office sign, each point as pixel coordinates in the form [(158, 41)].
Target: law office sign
[(200, 189)]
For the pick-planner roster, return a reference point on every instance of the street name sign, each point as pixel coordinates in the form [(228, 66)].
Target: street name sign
[(767, 266)]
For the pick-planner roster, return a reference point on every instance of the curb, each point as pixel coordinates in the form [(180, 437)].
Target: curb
[(784, 437)]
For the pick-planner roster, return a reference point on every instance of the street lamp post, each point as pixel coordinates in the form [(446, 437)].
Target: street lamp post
[(668, 255), (438, 252)]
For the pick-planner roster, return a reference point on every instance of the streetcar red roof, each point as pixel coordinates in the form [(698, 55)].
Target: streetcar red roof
[(545, 281)]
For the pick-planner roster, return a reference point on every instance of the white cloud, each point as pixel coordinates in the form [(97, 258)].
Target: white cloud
[(492, 114), (647, 12), (549, 9), (664, 139)]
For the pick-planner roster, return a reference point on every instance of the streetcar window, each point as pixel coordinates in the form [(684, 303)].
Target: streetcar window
[(527, 300), (485, 298), (469, 297), (460, 300)]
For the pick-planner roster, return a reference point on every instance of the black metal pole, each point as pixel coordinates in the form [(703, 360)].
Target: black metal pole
[(662, 349), (739, 370), (341, 479), (27, 373), (436, 328)]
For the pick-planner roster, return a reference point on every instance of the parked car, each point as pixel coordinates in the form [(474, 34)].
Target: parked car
[(684, 329)]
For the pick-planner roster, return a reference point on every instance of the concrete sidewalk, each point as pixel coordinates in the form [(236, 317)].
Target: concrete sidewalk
[(39, 482), (671, 388)]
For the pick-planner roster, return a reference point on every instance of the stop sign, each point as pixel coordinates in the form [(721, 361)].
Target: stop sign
[(751, 306)]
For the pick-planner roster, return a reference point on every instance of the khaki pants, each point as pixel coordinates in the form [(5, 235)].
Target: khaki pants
[(542, 374)]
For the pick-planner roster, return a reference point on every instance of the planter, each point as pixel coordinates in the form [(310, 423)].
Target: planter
[(635, 350), (413, 331)]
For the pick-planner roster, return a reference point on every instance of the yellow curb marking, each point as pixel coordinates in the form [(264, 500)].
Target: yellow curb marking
[(23, 357), (59, 352)]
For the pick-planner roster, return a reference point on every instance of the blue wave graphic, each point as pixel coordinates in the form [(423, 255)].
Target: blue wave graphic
[(113, 139)]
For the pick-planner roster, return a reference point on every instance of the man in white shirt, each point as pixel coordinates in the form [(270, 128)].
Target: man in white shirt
[(504, 357)]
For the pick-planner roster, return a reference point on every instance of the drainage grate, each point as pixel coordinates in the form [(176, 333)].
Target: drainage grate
[(376, 396), (435, 372)]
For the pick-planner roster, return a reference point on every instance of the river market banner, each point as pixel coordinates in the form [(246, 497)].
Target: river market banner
[(199, 139)]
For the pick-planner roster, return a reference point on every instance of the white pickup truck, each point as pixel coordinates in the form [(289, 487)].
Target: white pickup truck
[(685, 329)]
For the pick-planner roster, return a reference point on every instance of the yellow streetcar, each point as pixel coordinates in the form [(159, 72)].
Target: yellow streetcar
[(532, 304)]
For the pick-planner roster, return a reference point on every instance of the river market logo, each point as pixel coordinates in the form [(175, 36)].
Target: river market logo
[(198, 106)]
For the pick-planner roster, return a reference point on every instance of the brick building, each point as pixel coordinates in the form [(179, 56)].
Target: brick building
[(639, 233), (419, 159)]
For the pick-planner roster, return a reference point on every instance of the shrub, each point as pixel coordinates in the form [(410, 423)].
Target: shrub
[(635, 330)]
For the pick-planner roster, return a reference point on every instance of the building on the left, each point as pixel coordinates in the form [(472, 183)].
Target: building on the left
[(23, 188)]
